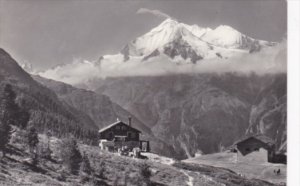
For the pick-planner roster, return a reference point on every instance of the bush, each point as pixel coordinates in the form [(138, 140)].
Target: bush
[(44, 151), (85, 168), (101, 169), (145, 173), (70, 155), (85, 165), (62, 176), (32, 138)]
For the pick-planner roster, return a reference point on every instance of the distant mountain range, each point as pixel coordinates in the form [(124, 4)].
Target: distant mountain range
[(189, 43), (170, 44)]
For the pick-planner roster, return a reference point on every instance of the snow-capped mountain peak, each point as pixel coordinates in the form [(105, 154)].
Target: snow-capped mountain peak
[(228, 37), (164, 33), (191, 42)]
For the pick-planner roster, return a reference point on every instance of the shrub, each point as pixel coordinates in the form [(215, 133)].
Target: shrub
[(85, 164), (32, 138), (44, 151), (70, 155), (99, 169), (85, 168), (145, 173)]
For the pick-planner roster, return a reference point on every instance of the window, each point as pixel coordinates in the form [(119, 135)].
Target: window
[(123, 128), (131, 135), (118, 127)]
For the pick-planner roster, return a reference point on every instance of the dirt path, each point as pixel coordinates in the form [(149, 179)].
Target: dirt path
[(190, 181)]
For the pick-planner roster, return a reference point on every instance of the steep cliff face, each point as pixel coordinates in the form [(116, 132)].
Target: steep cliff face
[(204, 112)]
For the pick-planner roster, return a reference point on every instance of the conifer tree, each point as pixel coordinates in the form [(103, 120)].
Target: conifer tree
[(47, 151), (4, 136), (70, 155), (85, 165), (32, 139), (7, 108), (10, 114)]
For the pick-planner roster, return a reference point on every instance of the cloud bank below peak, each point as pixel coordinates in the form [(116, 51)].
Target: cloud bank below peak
[(269, 60)]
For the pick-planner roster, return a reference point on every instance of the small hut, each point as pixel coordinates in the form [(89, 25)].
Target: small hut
[(120, 135), (257, 148)]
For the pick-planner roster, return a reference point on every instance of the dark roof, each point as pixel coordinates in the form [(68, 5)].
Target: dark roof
[(259, 137), (117, 123)]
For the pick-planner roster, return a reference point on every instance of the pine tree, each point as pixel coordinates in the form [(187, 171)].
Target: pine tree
[(70, 155), (85, 165), (4, 136), (10, 114), (85, 169), (7, 108), (47, 150), (23, 117), (32, 139)]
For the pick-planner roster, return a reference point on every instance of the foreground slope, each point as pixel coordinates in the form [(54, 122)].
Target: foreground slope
[(257, 170), (117, 170)]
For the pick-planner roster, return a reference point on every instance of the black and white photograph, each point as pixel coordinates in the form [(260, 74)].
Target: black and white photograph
[(144, 93)]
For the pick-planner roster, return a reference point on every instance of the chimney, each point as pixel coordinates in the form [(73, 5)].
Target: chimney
[(129, 121)]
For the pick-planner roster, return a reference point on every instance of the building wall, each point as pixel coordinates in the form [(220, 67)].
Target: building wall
[(261, 155), (253, 150)]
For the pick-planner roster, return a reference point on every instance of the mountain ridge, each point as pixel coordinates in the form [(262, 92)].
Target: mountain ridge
[(204, 42)]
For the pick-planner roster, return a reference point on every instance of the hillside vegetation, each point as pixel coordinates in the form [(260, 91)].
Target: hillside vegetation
[(108, 169)]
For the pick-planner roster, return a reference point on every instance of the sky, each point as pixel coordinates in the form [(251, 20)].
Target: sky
[(48, 33)]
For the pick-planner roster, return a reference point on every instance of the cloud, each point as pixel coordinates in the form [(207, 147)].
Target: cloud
[(157, 13), (269, 60), (79, 71)]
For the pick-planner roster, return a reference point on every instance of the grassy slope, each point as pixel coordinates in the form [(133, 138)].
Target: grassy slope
[(15, 172), (252, 169)]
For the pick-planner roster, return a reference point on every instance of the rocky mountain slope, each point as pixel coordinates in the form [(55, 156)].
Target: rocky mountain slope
[(47, 111), (205, 112)]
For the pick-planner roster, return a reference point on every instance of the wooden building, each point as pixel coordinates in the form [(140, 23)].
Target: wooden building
[(258, 148), (119, 135)]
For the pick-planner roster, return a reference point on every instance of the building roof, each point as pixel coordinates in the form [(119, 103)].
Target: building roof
[(117, 123), (259, 137)]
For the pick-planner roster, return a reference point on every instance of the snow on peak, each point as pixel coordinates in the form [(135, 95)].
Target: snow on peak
[(228, 37), (174, 38), (166, 32)]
